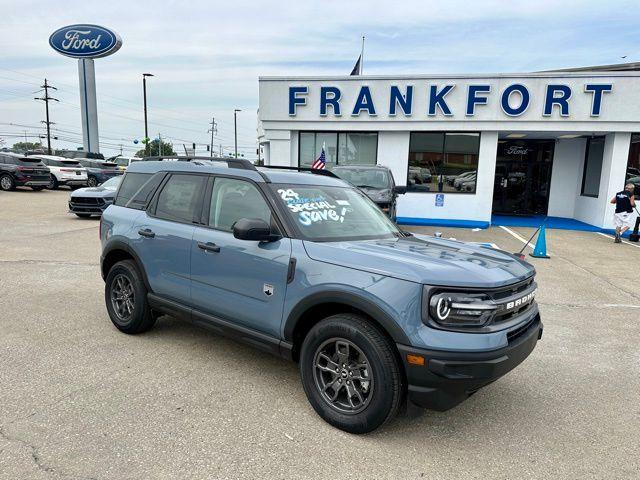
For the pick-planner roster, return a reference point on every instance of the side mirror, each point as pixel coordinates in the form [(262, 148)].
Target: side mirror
[(254, 229), (399, 190)]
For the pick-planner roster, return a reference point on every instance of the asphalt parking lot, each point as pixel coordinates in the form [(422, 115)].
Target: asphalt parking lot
[(79, 400)]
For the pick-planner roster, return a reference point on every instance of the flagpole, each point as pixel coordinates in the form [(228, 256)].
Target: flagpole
[(361, 56)]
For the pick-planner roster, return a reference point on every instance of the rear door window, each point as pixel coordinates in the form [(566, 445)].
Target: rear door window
[(180, 198)]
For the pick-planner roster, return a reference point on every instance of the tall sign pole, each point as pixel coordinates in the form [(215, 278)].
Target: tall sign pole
[(86, 42), (88, 105)]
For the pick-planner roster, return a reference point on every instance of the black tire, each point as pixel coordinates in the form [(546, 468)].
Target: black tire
[(84, 215), (140, 318), (37, 189), (381, 396), (92, 181), (53, 182), (7, 183)]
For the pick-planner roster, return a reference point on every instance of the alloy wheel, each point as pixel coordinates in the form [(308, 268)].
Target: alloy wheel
[(122, 297), (92, 182), (342, 374), (5, 183)]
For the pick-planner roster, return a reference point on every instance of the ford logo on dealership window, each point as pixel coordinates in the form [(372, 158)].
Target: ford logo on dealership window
[(85, 41)]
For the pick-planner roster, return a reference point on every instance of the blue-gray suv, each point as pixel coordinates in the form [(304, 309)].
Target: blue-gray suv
[(304, 265)]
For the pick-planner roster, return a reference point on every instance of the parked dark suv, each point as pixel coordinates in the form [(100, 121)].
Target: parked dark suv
[(21, 171), (376, 182), (99, 171), (304, 265)]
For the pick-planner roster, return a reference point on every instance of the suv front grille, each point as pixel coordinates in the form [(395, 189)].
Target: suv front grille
[(87, 200)]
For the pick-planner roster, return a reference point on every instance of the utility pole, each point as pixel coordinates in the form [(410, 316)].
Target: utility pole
[(146, 129), (235, 131), (46, 100), (213, 130), (159, 144)]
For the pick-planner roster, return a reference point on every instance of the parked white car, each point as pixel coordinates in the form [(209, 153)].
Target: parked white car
[(64, 171), (122, 161)]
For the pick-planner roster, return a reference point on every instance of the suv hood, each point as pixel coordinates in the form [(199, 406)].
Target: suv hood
[(93, 192), (426, 260)]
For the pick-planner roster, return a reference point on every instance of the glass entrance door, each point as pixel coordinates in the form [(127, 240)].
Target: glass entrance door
[(523, 176)]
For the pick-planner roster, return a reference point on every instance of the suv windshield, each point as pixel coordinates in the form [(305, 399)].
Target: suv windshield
[(112, 183), (364, 177), (334, 213)]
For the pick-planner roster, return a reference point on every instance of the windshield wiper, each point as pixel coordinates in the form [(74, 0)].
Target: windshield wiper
[(367, 186)]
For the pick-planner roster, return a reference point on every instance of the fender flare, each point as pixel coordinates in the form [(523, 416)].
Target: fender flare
[(383, 319), (120, 245)]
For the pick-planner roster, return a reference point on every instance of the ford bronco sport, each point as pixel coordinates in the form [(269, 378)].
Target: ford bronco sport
[(303, 265)]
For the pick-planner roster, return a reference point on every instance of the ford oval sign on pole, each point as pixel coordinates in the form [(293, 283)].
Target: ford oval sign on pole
[(86, 42)]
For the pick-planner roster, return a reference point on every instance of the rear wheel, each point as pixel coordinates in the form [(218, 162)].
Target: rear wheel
[(92, 181), (351, 374), (7, 183), (126, 298), (53, 182)]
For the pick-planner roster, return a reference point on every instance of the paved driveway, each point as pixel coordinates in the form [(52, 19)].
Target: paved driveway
[(79, 400)]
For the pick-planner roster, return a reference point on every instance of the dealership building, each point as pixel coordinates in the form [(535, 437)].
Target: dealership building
[(470, 148)]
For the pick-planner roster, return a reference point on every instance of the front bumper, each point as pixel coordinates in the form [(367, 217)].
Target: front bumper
[(32, 181), (448, 378), (73, 180), (86, 208)]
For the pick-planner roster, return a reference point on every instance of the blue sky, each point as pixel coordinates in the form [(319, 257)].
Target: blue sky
[(207, 55)]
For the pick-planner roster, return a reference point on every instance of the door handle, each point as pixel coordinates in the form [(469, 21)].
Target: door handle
[(146, 232), (208, 247)]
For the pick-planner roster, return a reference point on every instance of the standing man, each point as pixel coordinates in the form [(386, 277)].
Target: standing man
[(625, 203)]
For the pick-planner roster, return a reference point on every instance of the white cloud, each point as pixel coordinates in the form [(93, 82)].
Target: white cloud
[(207, 55)]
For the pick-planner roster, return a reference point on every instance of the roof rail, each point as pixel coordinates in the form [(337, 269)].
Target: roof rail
[(240, 163), (326, 173)]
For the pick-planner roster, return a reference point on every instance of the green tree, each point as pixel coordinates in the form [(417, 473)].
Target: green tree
[(25, 146), (154, 151)]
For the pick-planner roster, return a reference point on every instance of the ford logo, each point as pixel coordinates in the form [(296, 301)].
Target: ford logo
[(85, 41)]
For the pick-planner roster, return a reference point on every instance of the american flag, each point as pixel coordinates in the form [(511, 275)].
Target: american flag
[(320, 162)]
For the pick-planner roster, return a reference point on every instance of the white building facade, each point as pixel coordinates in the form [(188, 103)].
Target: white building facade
[(557, 144)]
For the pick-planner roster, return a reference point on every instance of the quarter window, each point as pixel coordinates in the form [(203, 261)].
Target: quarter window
[(233, 199), (179, 199), (130, 186)]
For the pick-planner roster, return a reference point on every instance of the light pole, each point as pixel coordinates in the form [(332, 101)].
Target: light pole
[(235, 131), (146, 128)]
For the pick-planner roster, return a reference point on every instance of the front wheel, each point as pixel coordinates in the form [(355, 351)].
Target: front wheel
[(92, 181), (126, 297), (7, 183), (351, 373)]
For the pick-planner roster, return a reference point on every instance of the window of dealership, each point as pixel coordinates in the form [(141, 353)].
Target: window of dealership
[(468, 148)]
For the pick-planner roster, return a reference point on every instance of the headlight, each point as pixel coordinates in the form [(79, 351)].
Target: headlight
[(382, 196), (456, 309), (492, 309)]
